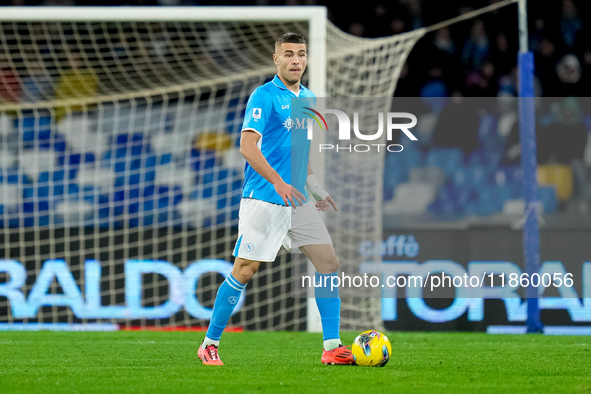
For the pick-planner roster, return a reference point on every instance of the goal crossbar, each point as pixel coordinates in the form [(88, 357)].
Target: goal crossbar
[(162, 14)]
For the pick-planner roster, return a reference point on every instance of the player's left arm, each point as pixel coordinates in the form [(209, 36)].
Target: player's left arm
[(323, 199)]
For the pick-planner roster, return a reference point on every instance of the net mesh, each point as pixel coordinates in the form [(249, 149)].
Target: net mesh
[(368, 68), (119, 144)]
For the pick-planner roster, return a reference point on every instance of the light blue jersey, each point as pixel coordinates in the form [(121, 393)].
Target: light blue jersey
[(269, 112)]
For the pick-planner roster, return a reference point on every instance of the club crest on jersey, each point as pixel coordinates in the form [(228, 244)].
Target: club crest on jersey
[(248, 247), (256, 113)]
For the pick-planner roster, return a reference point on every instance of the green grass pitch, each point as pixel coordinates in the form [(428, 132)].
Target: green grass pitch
[(289, 362)]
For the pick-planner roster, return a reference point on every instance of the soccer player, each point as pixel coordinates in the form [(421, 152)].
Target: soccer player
[(275, 210)]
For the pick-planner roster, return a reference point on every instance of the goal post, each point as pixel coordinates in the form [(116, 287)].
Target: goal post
[(529, 163)]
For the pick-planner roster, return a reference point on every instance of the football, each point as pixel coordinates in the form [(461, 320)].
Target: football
[(371, 349)]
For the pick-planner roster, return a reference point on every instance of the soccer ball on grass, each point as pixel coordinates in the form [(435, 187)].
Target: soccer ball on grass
[(371, 349)]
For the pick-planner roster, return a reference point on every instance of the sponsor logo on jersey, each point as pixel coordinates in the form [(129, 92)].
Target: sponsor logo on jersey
[(288, 124)]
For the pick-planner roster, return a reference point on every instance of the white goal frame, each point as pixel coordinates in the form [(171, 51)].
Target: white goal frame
[(315, 16)]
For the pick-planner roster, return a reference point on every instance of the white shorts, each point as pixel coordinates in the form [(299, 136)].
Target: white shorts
[(264, 227)]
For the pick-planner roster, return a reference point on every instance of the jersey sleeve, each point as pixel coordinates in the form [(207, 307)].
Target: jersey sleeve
[(258, 111)]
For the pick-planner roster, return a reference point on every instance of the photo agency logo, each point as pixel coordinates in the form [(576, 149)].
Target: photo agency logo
[(389, 122)]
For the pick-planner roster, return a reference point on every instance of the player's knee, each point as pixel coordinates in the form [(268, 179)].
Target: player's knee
[(245, 275), (334, 264), (331, 264), (245, 270)]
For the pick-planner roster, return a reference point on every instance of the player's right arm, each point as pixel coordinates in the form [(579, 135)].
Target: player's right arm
[(255, 158)]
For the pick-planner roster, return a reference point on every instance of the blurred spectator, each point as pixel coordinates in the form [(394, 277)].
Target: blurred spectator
[(76, 82), (512, 149), (37, 82), (561, 135), (508, 85), (569, 73), (444, 44), (563, 142), (177, 2), (10, 84), (584, 54), (398, 26), (141, 2), (445, 55), (564, 138), (415, 14), (449, 133), (504, 55), (55, 3), (406, 86), (382, 15), (476, 48), (482, 82), (356, 29), (570, 23), (546, 56)]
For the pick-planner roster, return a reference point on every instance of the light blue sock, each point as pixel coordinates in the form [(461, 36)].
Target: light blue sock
[(329, 305), (225, 301)]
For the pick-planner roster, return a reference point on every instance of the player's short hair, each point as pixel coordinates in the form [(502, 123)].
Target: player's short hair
[(289, 38)]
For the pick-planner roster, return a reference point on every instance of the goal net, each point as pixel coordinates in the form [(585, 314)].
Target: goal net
[(120, 174)]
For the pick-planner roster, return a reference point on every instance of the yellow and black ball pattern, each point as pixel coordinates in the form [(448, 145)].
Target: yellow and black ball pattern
[(371, 349)]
